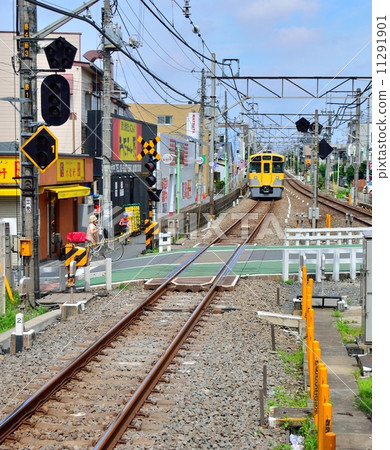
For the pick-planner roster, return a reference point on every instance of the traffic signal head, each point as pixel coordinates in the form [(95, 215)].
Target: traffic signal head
[(60, 54), (302, 125), (154, 194), (151, 166), (41, 149), (55, 100)]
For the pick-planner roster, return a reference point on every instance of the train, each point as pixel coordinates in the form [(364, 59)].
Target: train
[(266, 175)]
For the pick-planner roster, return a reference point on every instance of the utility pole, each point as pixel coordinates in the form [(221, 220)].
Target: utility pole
[(212, 137), (28, 49), (226, 166), (201, 134), (315, 174), (107, 124), (357, 150)]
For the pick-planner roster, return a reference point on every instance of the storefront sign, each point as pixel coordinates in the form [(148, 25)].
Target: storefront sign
[(70, 169), (9, 167)]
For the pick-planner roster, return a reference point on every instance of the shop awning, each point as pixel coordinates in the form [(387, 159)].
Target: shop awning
[(70, 191), (9, 192)]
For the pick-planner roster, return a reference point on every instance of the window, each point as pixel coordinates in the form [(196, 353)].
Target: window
[(266, 168), (278, 167), (164, 120)]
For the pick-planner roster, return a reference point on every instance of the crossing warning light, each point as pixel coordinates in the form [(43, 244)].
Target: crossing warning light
[(60, 54), (41, 149), (151, 180), (55, 100)]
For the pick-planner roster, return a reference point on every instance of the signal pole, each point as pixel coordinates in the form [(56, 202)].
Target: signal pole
[(212, 137), (107, 124), (28, 124)]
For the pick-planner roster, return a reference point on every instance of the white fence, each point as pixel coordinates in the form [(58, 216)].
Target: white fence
[(337, 260), (324, 236)]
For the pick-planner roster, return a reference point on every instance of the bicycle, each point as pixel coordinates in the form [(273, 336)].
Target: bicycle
[(107, 248)]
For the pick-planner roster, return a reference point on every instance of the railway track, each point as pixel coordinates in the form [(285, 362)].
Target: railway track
[(96, 397), (361, 215)]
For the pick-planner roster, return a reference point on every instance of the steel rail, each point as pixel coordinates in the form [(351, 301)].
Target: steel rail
[(29, 406), (331, 203), (118, 427)]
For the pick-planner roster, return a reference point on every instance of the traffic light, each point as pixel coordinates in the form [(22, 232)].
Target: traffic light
[(154, 194), (302, 125), (41, 149), (55, 100), (60, 54)]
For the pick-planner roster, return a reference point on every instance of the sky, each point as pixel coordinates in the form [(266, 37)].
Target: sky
[(298, 38)]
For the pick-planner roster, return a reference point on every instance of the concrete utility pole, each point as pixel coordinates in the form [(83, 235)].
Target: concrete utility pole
[(28, 49), (201, 134), (315, 175), (212, 137), (226, 159), (107, 124), (357, 150)]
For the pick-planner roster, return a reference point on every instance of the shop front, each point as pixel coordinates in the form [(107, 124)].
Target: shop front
[(64, 201)]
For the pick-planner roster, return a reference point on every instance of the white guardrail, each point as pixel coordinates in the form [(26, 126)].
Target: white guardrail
[(324, 236), (337, 260)]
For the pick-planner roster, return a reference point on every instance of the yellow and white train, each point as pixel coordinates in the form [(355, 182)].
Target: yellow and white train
[(266, 175)]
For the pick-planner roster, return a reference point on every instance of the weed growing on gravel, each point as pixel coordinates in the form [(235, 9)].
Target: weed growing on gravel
[(348, 333), (292, 362), (291, 399), (7, 321)]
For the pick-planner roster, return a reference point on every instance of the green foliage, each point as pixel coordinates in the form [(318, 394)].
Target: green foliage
[(288, 282), (322, 169), (309, 431), (337, 313), (282, 398), (350, 173), (282, 447), (364, 400), (292, 362), (7, 321), (341, 193), (348, 333), (219, 184)]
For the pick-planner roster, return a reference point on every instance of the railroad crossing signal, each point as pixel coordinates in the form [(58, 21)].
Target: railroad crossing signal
[(41, 148), (148, 147)]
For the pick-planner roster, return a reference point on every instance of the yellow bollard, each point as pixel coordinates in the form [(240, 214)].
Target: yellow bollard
[(328, 221), (309, 296), (309, 356), (322, 417), (304, 292), (316, 362), (330, 441)]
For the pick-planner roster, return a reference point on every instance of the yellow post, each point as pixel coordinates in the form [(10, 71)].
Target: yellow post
[(330, 438), (309, 296), (328, 221), (309, 356), (323, 421), (316, 362), (330, 441), (304, 291)]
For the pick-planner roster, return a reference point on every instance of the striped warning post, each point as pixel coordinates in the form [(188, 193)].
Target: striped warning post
[(78, 254), (151, 229)]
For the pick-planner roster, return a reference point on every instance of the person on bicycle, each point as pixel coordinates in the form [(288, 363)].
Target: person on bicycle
[(124, 222), (92, 230)]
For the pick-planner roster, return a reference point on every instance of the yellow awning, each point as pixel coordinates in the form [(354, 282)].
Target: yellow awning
[(74, 190), (9, 192)]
